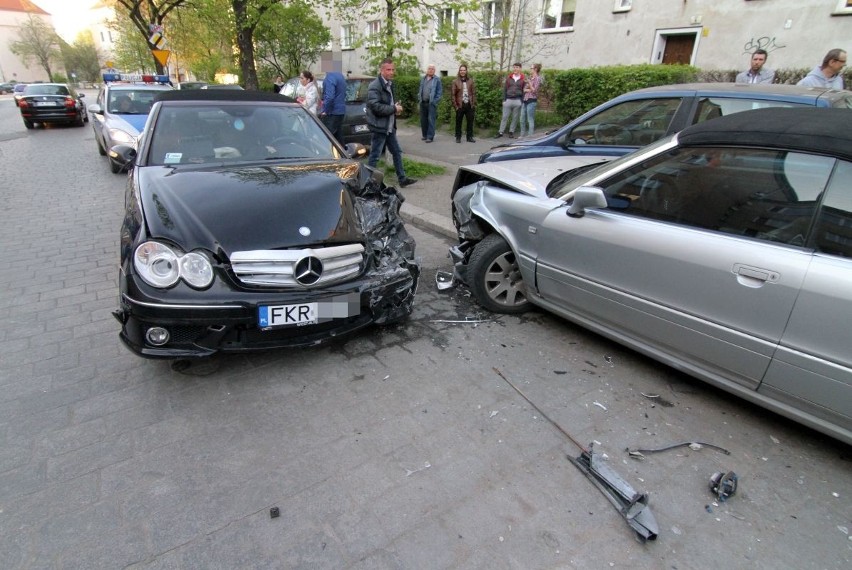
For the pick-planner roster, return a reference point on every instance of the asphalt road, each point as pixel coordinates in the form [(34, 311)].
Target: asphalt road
[(397, 448)]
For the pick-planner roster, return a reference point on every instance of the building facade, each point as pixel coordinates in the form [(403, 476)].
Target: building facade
[(563, 34), (13, 14)]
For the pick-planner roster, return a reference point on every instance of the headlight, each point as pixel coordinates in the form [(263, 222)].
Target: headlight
[(160, 266), (121, 137)]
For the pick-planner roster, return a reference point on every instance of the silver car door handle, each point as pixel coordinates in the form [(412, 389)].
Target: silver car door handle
[(754, 277)]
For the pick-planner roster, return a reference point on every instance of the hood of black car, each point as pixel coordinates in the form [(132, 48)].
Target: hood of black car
[(250, 207)]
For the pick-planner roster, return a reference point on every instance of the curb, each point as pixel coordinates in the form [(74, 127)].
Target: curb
[(427, 220)]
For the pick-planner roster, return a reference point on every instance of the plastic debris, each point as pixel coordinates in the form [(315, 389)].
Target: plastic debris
[(723, 485), (650, 395), (601, 406), (410, 472), (274, 513), (774, 439), (493, 413)]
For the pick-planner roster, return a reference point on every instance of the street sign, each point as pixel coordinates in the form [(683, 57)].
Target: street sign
[(161, 55)]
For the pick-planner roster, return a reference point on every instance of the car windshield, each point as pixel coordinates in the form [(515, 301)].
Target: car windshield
[(198, 134), (37, 89), (131, 101)]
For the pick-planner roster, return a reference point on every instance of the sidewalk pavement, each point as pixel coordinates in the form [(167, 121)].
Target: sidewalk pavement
[(427, 202)]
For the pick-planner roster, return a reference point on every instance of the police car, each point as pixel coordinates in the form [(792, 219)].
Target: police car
[(121, 109)]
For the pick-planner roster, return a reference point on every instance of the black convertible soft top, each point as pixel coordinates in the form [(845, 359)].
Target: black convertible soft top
[(221, 95), (826, 131)]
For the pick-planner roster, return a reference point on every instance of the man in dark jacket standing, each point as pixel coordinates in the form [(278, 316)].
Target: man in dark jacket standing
[(382, 110), (334, 103)]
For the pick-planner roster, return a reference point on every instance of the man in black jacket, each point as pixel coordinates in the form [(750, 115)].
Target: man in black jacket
[(382, 110)]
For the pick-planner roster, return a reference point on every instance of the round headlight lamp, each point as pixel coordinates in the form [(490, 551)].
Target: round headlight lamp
[(160, 266)]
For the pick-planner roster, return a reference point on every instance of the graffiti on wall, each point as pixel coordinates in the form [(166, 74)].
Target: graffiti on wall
[(764, 42)]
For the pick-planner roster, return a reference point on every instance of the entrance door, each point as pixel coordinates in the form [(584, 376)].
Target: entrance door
[(679, 49)]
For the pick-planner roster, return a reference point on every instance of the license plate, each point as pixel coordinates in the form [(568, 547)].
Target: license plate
[(45, 104), (361, 128), (287, 315)]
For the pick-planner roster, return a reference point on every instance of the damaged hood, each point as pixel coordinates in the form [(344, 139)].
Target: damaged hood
[(531, 175), (254, 207)]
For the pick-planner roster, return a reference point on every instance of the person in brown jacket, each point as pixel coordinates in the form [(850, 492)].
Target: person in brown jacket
[(464, 101)]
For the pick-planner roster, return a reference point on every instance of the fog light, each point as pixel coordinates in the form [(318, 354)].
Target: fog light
[(158, 336)]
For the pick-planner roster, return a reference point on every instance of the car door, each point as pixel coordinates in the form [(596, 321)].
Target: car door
[(689, 270), (812, 368), (97, 119)]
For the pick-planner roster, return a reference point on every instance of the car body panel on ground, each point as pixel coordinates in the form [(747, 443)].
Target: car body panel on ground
[(724, 251), (641, 117), (56, 103), (355, 128), (247, 228), (121, 109)]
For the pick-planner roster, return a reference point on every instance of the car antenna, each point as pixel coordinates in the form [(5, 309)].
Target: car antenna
[(631, 505)]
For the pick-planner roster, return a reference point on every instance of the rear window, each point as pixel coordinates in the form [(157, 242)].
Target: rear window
[(36, 89)]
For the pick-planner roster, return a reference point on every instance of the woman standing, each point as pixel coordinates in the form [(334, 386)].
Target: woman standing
[(464, 101), (530, 100), (311, 97)]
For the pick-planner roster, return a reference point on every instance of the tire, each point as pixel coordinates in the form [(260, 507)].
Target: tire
[(78, 122), (101, 149), (495, 279), (28, 124), (113, 167)]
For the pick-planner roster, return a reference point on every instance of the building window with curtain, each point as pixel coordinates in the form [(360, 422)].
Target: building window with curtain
[(558, 14)]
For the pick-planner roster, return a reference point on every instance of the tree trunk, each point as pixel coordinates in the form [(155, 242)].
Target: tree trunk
[(245, 45)]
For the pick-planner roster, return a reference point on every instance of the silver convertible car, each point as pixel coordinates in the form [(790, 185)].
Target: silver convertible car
[(724, 251)]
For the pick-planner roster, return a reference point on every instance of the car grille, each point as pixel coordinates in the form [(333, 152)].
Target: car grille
[(298, 268)]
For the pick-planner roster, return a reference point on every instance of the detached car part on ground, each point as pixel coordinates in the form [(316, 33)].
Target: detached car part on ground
[(247, 227), (638, 118), (724, 251)]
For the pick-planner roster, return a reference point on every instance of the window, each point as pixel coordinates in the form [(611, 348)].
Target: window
[(347, 37), (374, 32), (632, 123), (558, 14), (713, 108), (622, 5), (833, 233), (446, 24), (492, 19), (755, 193), (843, 7)]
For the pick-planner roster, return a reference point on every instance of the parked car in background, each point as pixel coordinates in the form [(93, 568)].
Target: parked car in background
[(248, 227), (641, 117), (191, 84), (6, 88), (355, 128), (228, 86), (121, 109), (56, 103), (18, 92), (724, 251)]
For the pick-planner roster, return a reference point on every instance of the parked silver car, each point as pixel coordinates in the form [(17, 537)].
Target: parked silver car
[(724, 251)]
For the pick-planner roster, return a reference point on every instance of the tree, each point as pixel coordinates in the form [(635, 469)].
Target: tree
[(38, 42), (131, 51), (289, 38), (247, 16), (202, 39), (392, 24), (82, 58), (144, 13)]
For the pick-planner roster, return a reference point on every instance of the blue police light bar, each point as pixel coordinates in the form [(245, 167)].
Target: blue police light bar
[(135, 78)]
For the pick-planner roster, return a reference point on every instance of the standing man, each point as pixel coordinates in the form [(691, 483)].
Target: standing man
[(756, 73), (513, 91), (430, 95), (382, 110), (827, 74), (464, 102), (334, 103)]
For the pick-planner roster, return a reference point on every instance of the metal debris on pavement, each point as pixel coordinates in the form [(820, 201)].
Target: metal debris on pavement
[(723, 485), (694, 445)]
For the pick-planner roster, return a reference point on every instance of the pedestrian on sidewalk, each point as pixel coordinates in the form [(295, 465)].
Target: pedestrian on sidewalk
[(310, 99), (829, 73), (464, 102), (513, 92), (530, 100), (382, 110), (334, 103), (430, 95)]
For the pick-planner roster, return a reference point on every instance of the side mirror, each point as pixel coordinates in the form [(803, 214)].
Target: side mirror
[(123, 154), (95, 109), (586, 197), (356, 150), (80, 95)]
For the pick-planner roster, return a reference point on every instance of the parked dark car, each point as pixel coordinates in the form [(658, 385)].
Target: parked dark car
[(6, 88), (247, 227), (635, 119), (355, 127), (18, 92), (724, 251), (52, 103), (191, 84)]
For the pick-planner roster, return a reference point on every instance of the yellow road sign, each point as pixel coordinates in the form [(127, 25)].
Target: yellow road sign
[(161, 55)]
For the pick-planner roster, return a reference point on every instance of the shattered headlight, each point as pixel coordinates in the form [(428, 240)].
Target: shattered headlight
[(160, 266), (121, 137)]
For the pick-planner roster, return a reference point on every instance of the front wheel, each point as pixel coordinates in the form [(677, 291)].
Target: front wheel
[(28, 124), (495, 278)]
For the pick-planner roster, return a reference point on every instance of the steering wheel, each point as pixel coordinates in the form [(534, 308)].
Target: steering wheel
[(610, 133), (289, 147)]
